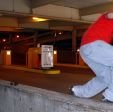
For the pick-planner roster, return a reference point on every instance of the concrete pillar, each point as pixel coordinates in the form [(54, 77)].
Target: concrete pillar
[(74, 42)]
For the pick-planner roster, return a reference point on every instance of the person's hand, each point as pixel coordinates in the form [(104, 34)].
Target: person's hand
[(110, 15)]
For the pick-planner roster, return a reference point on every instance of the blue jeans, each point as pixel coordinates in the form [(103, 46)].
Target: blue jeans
[(99, 57)]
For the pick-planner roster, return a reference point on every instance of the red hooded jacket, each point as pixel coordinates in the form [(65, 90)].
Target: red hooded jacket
[(102, 29)]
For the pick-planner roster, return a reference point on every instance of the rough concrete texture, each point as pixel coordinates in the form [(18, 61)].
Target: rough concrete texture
[(29, 99)]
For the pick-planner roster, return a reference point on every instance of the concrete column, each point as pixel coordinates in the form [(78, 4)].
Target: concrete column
[(35, 39), (74, 43), (74, 39)]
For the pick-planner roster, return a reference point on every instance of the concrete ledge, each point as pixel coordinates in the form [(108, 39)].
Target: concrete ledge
[(23, 98)]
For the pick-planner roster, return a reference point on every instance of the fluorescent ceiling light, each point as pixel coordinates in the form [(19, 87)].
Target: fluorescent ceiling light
[(36, 19)]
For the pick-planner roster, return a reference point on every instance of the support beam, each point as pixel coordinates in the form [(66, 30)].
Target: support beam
[(74, 39), (96, 9), (5, 29), (35, 39), (74, 43), (8, 22), (61, 28), (38, 3)]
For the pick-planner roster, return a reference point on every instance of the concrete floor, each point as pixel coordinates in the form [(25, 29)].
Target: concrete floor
[(61, 82)]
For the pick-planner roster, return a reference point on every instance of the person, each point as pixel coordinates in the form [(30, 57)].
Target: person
[(97, 52)]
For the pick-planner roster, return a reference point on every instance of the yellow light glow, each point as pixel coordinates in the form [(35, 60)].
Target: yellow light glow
[(36, 19), (8, 52), (55, 52)]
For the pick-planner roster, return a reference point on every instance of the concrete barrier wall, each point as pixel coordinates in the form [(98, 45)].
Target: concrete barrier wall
[(29, 99)]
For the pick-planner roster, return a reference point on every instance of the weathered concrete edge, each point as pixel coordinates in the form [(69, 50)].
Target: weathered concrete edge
[(63, 98)]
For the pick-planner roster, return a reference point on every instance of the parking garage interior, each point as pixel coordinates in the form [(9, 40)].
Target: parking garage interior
[(26, 25), (20, 42)]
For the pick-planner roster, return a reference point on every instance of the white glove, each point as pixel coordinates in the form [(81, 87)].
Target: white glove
[(110, 15)]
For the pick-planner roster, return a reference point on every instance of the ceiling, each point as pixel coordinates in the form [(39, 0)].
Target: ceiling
[(15, 15), (22, 10), (80, 3), (90, 9)]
